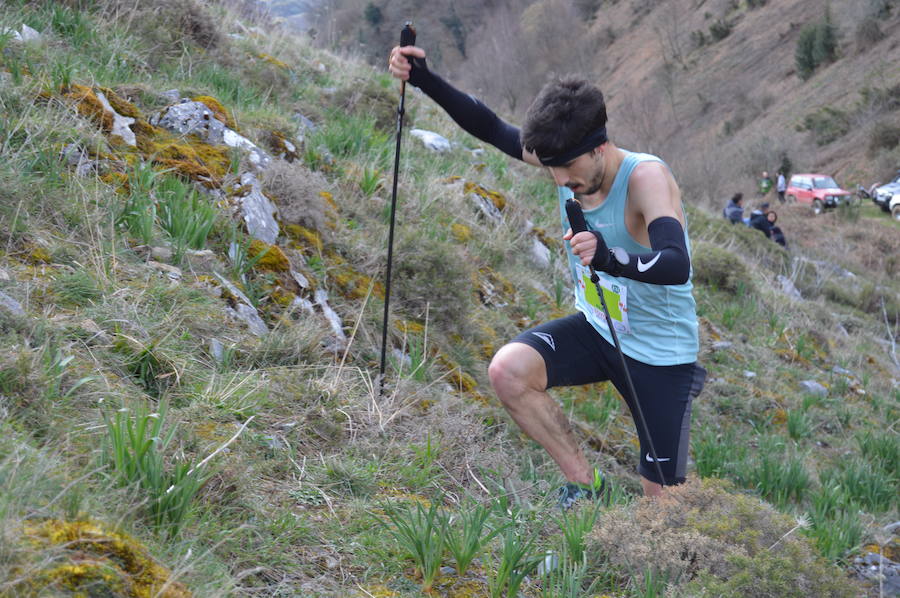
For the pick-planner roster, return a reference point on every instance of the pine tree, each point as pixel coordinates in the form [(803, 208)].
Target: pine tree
[(804, 55)]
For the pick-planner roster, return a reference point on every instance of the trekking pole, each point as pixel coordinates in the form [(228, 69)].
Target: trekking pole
[(576, 221), (407, 38)]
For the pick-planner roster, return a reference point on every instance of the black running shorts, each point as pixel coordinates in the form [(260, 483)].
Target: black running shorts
[(575, 353)]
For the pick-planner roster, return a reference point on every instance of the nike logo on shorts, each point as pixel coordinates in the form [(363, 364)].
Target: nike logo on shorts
[(660, 460), (642, 267), (546, 338)]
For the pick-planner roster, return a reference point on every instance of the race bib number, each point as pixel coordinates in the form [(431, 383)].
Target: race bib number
[(616, 295)]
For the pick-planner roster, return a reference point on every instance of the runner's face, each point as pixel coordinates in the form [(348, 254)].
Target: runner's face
[(583, 175)]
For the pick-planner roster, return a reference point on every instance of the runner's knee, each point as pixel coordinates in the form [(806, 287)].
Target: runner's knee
[(515, 369)]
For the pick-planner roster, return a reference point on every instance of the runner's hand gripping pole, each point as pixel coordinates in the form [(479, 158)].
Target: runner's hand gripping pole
[(578, 224), (407, 38)]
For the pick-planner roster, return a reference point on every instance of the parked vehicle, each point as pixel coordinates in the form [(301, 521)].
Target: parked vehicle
[(819, 190), (894, 207), (883, 194)]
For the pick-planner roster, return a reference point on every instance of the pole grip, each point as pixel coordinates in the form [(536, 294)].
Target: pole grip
[(576, 216), (407, 35)]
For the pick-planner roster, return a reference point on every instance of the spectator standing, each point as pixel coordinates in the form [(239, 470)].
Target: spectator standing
[(734, 211), (765, 183), (781, 186)]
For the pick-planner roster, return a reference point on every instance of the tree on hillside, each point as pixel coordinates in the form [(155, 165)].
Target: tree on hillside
[(817, 45)]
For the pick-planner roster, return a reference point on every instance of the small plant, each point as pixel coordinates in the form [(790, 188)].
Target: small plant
[(55, 365), (798, 424), (418, 531), (779, 478), (575, 524), (135, 448), (464, 534), (77, 288), (516, 563), (865, 483), (370, 181), (566, 580), (717, 453), (184, 215), (720, 29), (138, 214)]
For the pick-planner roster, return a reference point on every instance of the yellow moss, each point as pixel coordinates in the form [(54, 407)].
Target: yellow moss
[(218, 110), (273, 258), (380, 591), (282, 297), (307, 237), (38, 255), (120, 104), (189, 156), (272, 60), (779, 416), (494, 197), (410, 327), (99, 554), (354, 285), (277, 140), (90, 106), (461, 232), (548, 241)]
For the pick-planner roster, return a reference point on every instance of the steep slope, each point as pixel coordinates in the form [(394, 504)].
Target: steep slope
[(193, 225)]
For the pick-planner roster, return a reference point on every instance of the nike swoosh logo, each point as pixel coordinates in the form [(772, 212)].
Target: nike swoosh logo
[(642, 267), (660, 460)]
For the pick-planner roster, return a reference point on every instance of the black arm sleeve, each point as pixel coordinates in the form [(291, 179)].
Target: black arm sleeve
[(668, 263), (468, 112)]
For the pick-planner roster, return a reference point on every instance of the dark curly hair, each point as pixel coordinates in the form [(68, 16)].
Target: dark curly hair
[(562, 114)]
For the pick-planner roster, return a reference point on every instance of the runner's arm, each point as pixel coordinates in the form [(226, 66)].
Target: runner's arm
[(469, 113), (668, 263)]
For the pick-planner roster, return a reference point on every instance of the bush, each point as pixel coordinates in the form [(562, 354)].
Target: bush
[(886, 136), (803, 56), (827, 124), (714, 543), (868, 33), (718, 267), (720, 30)]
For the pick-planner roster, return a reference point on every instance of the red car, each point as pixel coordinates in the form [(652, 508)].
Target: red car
[(820, 190)]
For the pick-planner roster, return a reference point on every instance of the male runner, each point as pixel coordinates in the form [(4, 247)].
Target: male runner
[(632, 204)]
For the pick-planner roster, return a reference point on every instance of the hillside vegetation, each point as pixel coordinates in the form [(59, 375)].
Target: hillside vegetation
[(194, 208)]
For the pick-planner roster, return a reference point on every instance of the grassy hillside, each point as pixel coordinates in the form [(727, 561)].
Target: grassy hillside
[(189, 409)]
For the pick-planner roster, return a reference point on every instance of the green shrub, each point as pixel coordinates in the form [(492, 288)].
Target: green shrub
[(718, 268), (827, 124), (720, 30), (804, 54)]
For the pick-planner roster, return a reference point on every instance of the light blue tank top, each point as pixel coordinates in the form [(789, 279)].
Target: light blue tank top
[(656, 324)]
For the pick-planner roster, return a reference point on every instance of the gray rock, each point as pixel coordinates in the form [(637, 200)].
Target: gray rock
[(25, 34), (721, 345), (10, 305), (75, 157), (173, 95), (4, 275), (487, 208), (321, 298), (431, 140), (403, 359), (172, 272), (303, 304), (217, 350), (161, 254), (540, 254), (189, 117), (248, 314), (121, 124), (305, 122), (814, 388), (841, 371), (258, 211), (231, 288), (787, 287), (748, 374)]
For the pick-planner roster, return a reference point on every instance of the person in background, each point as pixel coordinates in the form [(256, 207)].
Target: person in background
[(759, 220), (765, 183), (775, 232), (781, 186), (734, 211)]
